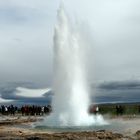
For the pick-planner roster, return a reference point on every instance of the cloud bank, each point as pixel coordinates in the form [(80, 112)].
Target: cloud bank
[(26, 46)]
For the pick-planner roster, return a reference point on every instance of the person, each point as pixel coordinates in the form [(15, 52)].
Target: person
[(2, 109), (42, 110), (97, 109), (22, 110), (117, 110), (139, 109), (121, 110), (12, 110), (6, 110)]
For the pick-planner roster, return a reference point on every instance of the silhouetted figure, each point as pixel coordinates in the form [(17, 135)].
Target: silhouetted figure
[(2, 109), (22, 110), (139, 109), (12, 110), (119, 110)]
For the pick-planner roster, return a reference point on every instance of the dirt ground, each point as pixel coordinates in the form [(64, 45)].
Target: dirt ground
[(10, 131)]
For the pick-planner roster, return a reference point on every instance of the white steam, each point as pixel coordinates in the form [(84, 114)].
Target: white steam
[(71, 99)]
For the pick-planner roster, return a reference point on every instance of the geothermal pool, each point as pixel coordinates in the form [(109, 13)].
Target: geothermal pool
[(76, 128), (115, 125)]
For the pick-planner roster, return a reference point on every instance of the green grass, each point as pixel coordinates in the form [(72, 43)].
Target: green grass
[(128, 109)]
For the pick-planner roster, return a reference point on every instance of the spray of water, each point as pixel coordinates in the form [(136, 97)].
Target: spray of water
[(71, 99)]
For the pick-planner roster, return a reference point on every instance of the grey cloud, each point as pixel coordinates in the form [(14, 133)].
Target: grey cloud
[(18, 15), (26, 52), (117, 91), (26, 40), (8, 91), (121, 85)]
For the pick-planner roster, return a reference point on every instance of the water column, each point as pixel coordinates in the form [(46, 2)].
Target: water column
[(71, 99)]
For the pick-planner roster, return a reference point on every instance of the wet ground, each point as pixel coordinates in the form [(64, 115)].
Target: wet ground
[(124, 127)]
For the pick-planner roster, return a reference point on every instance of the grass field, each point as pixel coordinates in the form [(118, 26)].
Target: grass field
[(128, 109)]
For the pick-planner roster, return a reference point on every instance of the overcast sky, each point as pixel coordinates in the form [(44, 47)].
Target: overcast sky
[(26, 35)]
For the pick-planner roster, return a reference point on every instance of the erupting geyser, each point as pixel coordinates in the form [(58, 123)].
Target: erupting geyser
[(71, 100)]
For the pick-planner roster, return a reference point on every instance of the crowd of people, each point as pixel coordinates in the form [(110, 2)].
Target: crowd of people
[(114, 109), (6, 110), (34, 110), (25, 110)]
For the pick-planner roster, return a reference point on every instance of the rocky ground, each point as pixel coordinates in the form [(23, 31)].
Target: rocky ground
[(10, 131), (15, 134)]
